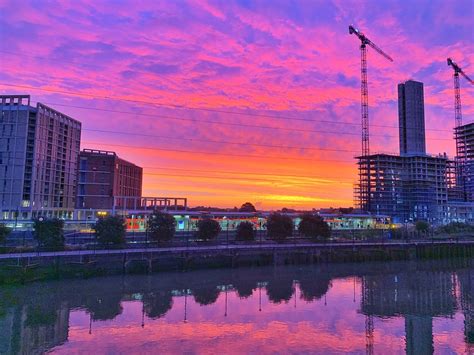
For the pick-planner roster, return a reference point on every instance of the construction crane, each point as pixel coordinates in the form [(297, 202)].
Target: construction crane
[(457, 94), (364, 95), (461, 153), (457, 91)]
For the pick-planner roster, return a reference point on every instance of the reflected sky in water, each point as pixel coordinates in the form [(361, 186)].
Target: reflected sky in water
[(356, 308)]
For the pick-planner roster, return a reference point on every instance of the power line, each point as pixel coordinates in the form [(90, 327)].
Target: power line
[(197, 108), (236, 178), (224, 123), (225, 142), (212, 153), (241, 172)]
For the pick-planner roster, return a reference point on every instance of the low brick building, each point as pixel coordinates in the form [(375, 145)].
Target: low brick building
[(103, 176)]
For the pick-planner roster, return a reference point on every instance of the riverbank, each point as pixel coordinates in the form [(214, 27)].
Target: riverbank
[(29, 267)]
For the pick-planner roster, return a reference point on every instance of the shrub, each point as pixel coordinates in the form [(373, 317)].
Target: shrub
[(49, 232), (110, 230), (456, 227), (4, 232), (207, 229), (161, 226), (314, 226), (422, 226), (279, 227), (245, 231)]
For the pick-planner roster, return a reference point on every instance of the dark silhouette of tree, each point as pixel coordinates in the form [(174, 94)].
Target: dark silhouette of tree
[(207, 229), (422, 226), (245, 231), (49, 232), (280, 289), (157, 304), (244, 287), (247, 207), (105, 306), (110, 230), (313, 287), (4, 232), (161, 226), (314, 226), (206, 295), (279, 227)]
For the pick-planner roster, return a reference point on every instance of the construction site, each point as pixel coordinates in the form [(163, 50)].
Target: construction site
[(414, 185)]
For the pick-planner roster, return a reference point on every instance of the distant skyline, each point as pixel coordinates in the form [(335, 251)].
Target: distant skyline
[(201, 62)]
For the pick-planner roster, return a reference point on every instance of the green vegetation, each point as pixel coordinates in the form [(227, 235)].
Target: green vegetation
[(49, 233), (456, 227), (247, 207), (245, 231), (422, 226), (4, 232), (314, 226), (279, 227), (161, 226), (110, 230), (208, 229)]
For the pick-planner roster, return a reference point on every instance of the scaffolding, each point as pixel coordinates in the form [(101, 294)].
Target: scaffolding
[(464, 136), (409, 188)]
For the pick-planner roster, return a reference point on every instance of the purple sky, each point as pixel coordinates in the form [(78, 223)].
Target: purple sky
[(269, 61)]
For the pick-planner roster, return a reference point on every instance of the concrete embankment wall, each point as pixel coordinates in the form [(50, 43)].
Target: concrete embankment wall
[(37, 266)]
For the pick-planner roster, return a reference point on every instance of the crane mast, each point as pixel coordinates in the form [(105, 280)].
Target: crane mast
[(461, 148), (364, 173), (457, 96)]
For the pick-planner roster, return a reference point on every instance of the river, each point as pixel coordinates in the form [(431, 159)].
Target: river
[(396, 307)]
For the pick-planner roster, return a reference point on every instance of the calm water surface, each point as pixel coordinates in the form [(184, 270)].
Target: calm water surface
[(390, 308)]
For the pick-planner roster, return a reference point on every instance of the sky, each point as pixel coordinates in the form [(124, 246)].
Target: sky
[(225, 102)]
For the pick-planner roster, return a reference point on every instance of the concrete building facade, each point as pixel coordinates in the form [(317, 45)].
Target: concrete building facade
[(464, 136), (103, 178), (408, 188), (39, 147), (411, 118), (413, 185)]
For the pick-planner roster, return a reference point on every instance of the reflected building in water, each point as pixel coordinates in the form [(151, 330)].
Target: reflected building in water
[(466, 283), (394, 290), (34, 328), (418, 296)]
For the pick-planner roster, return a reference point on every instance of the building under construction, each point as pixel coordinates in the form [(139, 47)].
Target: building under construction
[(413, 185), (405, 187), (464, 136)]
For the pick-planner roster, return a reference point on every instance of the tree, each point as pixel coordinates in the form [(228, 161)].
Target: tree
[(207, 229), (4, 232), (247, 207), (205, 295), (161, 226), (110, 230), (314, 226), (422, 226), (279, 227), (157, 304), (245, 231), (49, 232), (280, 289)]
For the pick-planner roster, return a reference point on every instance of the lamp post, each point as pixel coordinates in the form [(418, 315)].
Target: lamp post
[(227, 230)]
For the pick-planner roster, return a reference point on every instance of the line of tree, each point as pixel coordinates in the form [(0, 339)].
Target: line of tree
[(280, 227), (314, 226)]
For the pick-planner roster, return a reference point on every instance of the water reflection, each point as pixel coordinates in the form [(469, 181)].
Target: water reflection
[(346, 307)]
